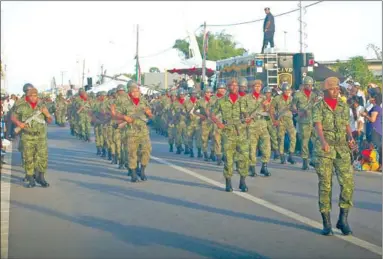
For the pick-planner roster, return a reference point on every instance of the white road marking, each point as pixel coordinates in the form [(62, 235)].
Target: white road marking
[(5, 200), (351, 239)]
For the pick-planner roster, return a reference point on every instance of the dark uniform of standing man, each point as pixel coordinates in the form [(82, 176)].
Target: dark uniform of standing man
[(268, 30), (334, 137)]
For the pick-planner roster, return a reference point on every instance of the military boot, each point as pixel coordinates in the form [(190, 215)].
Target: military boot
[(40, 179), (142, 173), (115, 160), (109, 154), (305, 165), (112, 159), (138, 168), (199, 155), (191, 153), (72, 131), (212, 156), (223, 158), (98, 151), (181, 148), (170, 147), (290, 159), (312, 163), (178, 150), (103, 152), (206, 157), (283, 159), (219, 159), (120, 165), (327, 228), (252, 171), (264, 170), (342, 223), (30, 181), (187, 151), (276, 155), (242, 184), (129, 172), (134, 176), (228, 188)]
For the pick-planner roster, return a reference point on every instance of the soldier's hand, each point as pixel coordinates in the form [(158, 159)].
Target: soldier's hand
[(23, 125), (351, 143), (248, 120), (325, 147), (128, 119), (276, 123), (220, 125)]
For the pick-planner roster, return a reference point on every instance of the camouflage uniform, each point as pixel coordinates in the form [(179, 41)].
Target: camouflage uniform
[(61, 108), (169, 117), (335, 124), (83, 116), (119, 134), (193, 129), (270, 127), (181, 135), (217, 132)]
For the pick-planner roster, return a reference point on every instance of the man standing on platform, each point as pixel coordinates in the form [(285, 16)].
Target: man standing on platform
[(268, 30)]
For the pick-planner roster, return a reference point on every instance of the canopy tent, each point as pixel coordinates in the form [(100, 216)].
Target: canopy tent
[(192, 71), (113, 83), (321, 72)]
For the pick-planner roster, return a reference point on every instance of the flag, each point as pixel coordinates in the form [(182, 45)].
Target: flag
[(138, 71)]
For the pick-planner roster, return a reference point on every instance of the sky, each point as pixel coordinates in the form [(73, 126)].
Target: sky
[(39, 40)]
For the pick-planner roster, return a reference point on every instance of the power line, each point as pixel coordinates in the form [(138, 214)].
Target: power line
[(259, 20)]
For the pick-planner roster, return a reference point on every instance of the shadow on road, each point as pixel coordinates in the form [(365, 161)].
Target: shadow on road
[(146, 236), (357, 204), (126, 192)]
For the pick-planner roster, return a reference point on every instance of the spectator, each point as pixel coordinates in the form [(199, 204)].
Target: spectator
[(360, 94), (357, 120), (369, 161), (374, 118)]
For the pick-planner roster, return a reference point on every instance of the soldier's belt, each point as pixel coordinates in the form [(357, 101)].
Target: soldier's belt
[(32, 133)]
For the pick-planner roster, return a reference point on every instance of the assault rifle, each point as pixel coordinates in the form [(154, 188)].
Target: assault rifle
[(137, 116), (33, 117)]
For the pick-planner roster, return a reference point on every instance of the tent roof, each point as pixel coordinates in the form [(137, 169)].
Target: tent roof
[(321, 72)]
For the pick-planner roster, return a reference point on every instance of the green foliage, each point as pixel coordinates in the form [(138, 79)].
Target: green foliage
[(357, 69), (221, 45), (154, 70)]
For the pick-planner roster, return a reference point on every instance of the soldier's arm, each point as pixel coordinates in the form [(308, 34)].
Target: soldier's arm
[(294, 103), (215, 111), (317, 120), (48, 116), (148, 110), (272, 111), (16, 118)]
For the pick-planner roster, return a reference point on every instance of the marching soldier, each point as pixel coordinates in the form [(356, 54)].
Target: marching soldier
[(331, 119), (179, 109), (202, 109), (270, 127), (31, 117), (61, 108), (82, 106), (282, 118), (257, 127), (303, 102), (193, 129), (170, 118), (135, 113), (234, 134), (217, 132), (98, 108), (243, 87)]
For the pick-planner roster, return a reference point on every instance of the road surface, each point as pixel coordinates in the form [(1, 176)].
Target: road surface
[(92, 210)]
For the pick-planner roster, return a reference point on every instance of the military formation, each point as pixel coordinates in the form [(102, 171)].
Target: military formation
[(231, 126)]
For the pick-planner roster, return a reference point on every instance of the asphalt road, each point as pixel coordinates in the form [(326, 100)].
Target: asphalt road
[(92, 210)]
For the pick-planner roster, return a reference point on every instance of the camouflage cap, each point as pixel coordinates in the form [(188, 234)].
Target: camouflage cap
[(102, 93), (81, 90), (221, 86), (256, 82), (267, 89), (131, 82), (27, 86), (121, 88), (208, 90), (308, 80), (132, 86), (242, 81), (285, 86), (32, 91), (330, 83)]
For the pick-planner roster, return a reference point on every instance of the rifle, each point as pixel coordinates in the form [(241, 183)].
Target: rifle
[(86, 106), (33, 117), (283, 112), (137, 116)]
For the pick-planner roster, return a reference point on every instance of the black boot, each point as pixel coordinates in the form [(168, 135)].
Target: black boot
[(170, 147), (327, 228), (342, 223), (115, 160), (142, 173), (134, 176), (252, 171), (109, 154), (191, 152), (121, 165), (112, 158), (199, 155), (30, 181), (72, 132), (283, 159), (187, 151), (103, 152), (242, 184), (312, 164), (305, 165), (181, 148), (223, 158), (290, 159), (276, 155), (212, 156), (129, 172), (219, 159), (264, 170), (229, 188), (41, 180), (178, 150), (206, 157), (98, 151)]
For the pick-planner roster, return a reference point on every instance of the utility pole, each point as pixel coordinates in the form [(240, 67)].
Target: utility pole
[(204, 55), (300, 27), (62, 78), (102, 74), (137, 63), (83, 73)]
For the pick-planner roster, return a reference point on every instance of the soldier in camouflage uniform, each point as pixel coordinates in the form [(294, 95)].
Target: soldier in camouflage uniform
[(108, 127), (83, 106), (217, 132), (331, 119), (99, 107), (180, 123), (61, 109), (165, 101), (170, 118), (33, 137), (257, 127), (270, 127), (135, 113), (193, 129), (282, 118), (234, 134), (202, 109), (303, 102)]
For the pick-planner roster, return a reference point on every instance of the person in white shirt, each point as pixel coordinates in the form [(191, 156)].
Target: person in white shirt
[(356, 120), (360, 93)]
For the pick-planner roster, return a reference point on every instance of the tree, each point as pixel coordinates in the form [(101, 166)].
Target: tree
[(154, 70), (220, 46), (357, 69)]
